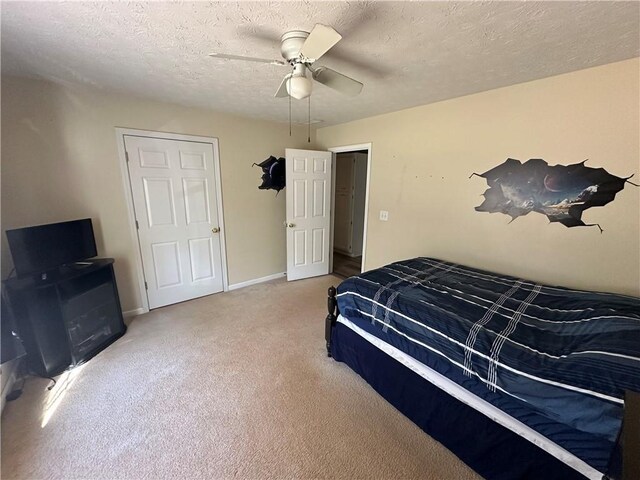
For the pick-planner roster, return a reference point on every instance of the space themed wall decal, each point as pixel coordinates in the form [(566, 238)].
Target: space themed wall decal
[(273, 174), (561, 192)]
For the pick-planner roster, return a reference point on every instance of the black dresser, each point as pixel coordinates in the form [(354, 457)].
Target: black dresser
[(66, 316)]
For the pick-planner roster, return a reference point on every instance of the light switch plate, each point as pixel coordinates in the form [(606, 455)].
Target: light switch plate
[(384, 215)]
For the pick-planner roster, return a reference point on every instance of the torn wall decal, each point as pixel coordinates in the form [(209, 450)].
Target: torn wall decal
[(273, 174), (561, 192)]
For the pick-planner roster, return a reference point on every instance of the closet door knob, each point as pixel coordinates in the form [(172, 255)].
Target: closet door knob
[(215, 230)]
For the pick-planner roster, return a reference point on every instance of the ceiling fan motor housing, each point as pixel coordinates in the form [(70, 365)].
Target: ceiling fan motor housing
[(292, 43)]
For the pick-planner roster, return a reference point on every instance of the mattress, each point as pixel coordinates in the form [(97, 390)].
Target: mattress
[(553, 360)]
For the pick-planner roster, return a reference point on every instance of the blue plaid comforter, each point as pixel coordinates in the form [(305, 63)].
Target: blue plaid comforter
[(557, 359)]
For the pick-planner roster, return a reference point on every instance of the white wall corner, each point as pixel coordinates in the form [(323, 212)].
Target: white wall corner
[(130, 314)]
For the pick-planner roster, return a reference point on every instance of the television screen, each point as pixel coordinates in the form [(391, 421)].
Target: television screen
[(45, 247)]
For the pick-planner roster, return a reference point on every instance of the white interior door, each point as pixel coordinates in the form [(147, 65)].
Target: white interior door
[(308, 212), (174, 194)]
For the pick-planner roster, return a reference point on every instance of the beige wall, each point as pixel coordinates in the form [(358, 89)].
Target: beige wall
[(422, 158), (59, 162)]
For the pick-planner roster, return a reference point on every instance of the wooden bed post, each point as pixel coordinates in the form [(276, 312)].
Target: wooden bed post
[(330, 321)]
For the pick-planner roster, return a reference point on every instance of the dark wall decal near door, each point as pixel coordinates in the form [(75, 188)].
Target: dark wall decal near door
[(273, 174), (561, 192)]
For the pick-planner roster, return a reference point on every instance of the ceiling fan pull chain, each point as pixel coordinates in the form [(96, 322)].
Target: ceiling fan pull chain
[(289, 111), (309, 121)]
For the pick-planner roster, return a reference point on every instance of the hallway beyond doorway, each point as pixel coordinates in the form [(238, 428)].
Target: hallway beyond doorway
[(346, 266)]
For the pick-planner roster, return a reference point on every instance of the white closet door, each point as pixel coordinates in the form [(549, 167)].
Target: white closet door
[(175, 201)]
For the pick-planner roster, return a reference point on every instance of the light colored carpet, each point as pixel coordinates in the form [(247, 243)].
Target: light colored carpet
[(234, 385)]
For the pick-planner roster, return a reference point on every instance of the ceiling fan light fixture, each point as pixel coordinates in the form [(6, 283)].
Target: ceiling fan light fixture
[(299, 87)]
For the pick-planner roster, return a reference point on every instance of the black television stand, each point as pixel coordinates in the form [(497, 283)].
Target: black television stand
[(67, 315), (81, 264)]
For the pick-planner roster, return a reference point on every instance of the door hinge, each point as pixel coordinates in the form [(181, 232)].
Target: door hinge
[(137, 225), (146, 287), (126, 156)]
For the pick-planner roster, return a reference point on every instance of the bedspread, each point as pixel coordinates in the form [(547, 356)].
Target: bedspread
[(530, 349)]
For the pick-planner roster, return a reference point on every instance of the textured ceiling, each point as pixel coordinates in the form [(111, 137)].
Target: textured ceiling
[(406, 53)]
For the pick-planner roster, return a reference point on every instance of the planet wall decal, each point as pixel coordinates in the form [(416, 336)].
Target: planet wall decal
[(561, 192)]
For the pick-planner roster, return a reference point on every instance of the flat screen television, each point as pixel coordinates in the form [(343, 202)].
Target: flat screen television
[(46, 247)]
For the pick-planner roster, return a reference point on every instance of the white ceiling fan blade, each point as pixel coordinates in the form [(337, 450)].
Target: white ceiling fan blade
[(337, 81), (247, 59), (282, 90), (319, 41)]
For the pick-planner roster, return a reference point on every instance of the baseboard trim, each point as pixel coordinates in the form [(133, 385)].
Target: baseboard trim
[(129, 314), (255, 281), (345, 252)]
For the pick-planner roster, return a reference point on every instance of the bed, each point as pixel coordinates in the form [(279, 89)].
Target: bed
[(518, 379)]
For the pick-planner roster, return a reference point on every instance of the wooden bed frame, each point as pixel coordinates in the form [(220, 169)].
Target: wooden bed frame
[(330, 321)]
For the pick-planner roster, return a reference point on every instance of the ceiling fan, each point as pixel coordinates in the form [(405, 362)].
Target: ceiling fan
[(301, 50)]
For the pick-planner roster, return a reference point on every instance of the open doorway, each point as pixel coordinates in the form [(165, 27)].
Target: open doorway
[(351, 174)]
